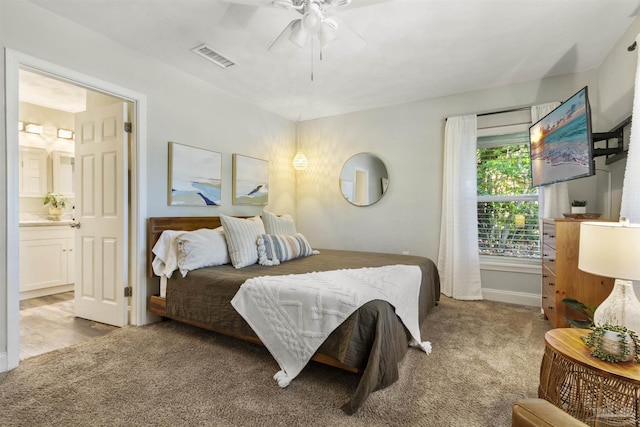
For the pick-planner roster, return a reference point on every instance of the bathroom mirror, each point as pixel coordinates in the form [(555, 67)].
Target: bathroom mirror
[(363, 179)]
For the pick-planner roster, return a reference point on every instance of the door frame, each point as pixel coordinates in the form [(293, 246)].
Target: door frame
[(138, 315)]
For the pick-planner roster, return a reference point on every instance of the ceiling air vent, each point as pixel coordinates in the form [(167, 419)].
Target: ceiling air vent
[(213, 56)]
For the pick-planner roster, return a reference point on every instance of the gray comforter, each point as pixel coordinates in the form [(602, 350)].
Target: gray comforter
[(372, 340)]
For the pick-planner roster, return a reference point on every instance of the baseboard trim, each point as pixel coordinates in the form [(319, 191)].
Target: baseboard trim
[(511, 297), (4, 364), (37, 293)]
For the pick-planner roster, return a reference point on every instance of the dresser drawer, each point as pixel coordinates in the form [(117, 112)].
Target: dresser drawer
[(549, 308), (549, 258), (549, 234), (548, 282)]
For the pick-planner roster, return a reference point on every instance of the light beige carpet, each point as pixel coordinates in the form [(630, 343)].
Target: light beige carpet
[(485, 356)]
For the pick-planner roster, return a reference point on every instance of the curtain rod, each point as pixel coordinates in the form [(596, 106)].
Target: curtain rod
[(511, 110), (490, 113)]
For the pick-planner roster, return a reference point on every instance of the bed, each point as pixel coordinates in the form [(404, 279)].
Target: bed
[(371, 342)]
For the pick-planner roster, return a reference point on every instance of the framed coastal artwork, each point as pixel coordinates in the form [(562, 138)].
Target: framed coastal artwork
[(195, 176), (250, 181)]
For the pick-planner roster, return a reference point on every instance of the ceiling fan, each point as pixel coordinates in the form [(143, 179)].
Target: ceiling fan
[(316, 22)]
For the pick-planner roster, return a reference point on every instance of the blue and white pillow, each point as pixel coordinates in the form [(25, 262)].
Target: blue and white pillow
[(274, 249)]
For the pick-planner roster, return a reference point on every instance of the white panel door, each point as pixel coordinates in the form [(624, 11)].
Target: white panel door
[(100, 186)]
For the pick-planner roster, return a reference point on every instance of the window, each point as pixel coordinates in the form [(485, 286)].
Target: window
[(507, 203)]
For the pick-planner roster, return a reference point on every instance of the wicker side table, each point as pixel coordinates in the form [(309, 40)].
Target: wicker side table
[(596, 392)]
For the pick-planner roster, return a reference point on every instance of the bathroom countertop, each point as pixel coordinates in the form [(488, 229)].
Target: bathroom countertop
[(37, 220)]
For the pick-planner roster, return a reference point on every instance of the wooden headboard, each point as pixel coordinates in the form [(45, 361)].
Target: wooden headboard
[(156, 225)]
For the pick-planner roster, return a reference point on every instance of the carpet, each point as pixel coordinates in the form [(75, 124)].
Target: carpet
[(486, 355)]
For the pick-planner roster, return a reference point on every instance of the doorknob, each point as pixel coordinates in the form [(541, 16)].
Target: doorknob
[(74, 224)]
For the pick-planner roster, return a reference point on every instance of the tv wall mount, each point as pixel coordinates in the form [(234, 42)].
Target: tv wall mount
[(613, 153)]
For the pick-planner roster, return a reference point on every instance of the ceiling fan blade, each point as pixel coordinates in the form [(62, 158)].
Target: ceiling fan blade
[(237, 16), (281, 43), (361, 3), (346, 39), (251, 2)]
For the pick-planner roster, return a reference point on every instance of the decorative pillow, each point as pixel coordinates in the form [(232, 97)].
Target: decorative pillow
[(274, 249), (201, 248), (242, 235), (274, 224)]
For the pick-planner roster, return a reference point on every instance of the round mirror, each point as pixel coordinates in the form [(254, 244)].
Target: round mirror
[(363, 179)]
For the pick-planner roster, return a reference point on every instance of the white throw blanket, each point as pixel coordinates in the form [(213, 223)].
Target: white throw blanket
[(293, 314)]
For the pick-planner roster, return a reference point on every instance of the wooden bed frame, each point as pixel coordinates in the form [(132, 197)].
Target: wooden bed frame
[(158, 305)]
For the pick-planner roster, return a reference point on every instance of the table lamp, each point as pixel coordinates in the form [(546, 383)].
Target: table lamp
[(612, 249)]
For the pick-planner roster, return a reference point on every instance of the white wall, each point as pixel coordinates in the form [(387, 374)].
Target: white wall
[(409, 139), (181, 108)]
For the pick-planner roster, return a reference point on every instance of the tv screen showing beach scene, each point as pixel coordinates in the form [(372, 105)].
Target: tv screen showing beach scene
[(561, 143)]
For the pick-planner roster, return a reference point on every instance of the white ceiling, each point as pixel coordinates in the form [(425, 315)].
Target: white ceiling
[(414, 49)]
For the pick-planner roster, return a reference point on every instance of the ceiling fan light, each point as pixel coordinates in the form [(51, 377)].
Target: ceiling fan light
[(312, 22), (299, 35), (327, 34)]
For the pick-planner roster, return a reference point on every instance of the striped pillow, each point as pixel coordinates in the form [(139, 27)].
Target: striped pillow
[(241, 235), (274, 249), (274, 224)]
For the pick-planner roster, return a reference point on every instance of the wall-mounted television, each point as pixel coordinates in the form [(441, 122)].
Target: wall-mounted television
[(561, 144)]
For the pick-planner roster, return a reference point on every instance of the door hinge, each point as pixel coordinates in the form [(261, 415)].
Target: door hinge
[(127, 127), (128, 291)]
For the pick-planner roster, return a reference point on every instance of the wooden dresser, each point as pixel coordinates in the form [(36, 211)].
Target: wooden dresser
[(560, 275)]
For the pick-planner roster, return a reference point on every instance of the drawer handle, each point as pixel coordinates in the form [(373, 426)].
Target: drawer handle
[(551, 284), (549, 308)]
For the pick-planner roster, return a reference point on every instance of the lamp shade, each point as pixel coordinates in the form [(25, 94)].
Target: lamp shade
[(300, 161), (610, 249)]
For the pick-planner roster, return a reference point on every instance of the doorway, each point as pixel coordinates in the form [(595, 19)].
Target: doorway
[(136, 202), (50, 109)]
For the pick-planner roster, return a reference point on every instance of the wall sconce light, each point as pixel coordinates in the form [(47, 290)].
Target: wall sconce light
[(65, 134), (33, 128), (300, 162), (20, 126)]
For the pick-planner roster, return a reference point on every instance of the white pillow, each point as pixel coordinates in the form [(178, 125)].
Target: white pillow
[(274, 224), (242, 235), (166, 253), (201, 248)]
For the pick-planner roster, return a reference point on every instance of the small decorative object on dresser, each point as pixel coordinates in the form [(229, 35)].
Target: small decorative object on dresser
[(579, 207), (56, 202)]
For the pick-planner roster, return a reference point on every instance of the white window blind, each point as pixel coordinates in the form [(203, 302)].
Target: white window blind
[(507, 203)]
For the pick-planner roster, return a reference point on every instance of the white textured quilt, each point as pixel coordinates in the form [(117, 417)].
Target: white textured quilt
[(293, 314)]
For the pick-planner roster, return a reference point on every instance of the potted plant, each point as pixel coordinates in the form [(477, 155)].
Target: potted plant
[(56, 202), (579, 206), (613, 343), (586, 310)]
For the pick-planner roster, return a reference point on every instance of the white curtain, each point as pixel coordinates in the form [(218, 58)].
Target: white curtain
[(554, 197), (630, 207), (458, 257)]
